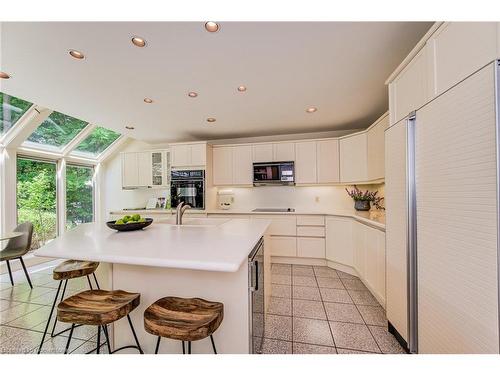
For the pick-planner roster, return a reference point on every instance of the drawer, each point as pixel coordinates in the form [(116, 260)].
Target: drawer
[(283, 246), (311, 231), (310, 247), (310, 220), (280, 225)]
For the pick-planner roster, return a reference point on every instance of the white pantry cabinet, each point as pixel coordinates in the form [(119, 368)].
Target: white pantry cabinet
[(188, 154), (328, 164), (353, 158), (232, 165), (305, 162)]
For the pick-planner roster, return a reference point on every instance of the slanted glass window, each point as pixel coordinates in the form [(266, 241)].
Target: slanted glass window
[(56, 131), (79, 195), (36, 198), (11, 109), (96, 142)]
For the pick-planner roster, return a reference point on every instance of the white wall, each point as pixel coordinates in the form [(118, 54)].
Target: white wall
[(112, 195)]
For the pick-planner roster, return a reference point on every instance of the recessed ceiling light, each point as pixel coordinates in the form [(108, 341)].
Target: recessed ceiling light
[(148, 100), (211, 119), (212, 26), (129, 127), (76, 54), (192, 94), (311, 109), (242, 88), (4, 75), (138, 41)]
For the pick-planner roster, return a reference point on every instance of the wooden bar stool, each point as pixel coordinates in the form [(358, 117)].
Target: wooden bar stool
[(184, 319), (67, 270), (99, 308)]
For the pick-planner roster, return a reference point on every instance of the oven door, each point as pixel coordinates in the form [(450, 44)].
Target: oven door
[(188, 191)]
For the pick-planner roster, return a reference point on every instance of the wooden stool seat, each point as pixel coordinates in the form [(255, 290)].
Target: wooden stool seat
[(186, 319), (97, 307), (71, 269)]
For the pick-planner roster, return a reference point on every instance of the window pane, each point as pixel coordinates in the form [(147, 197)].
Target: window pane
[(97, 141), (79, 195), (11, 109), (36, 198), (57, 130)]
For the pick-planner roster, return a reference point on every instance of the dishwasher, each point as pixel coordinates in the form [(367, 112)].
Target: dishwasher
[(256, 297)]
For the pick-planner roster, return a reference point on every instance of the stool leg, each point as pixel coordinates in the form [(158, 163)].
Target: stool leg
[(26, 272), (50, 316), (90, 284), (10, 273), (189, 347), (105, 330), (183, 348), (213, 344), (95, 279), (157, 344), (98, 339), (135, 336), (69, 338), (62, 297)]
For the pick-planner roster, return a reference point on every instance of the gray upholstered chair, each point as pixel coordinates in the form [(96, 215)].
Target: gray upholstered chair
[(17, 247)]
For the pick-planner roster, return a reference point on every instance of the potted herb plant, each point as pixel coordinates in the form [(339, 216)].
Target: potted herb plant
[(362, 199)]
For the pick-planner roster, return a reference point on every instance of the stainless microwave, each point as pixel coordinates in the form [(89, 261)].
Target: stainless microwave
[(279, 173)]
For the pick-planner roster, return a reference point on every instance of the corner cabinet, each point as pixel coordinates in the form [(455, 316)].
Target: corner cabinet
[(145, 169)]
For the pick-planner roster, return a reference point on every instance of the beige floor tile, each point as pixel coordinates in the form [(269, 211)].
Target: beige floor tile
[(281, 279), (14, 291), (353, 336), (299, 348), (6, 304), (354, 284), (386, 341), (22, 343), (36, 292), (5, 285), (335, 295), (363, 297), (306, 292), (57, 345), (90, 345), (6, 333), (31, 319), (325, 272), (308, 309), (345, 275), (257, 321), (373, 315), (329, 282), (304, 280), (343, 312), (351, 351), (283, 291), (280, 306), (278, 327), (270, 346), (17, 311), (312, 331), (299, 270)]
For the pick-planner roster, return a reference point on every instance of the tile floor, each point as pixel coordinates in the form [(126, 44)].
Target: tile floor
[(319, 310), (24, 313)]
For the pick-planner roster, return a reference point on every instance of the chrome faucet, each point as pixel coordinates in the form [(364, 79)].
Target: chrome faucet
[(181, 207)]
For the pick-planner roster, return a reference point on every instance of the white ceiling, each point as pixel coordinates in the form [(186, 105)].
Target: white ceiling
[(339, 67)]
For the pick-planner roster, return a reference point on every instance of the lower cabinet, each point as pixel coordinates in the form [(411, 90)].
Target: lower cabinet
[(339, 240), (283, 246), (311, 247)]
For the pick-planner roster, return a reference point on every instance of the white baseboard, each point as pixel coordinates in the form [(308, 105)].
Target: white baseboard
[(300, 261)]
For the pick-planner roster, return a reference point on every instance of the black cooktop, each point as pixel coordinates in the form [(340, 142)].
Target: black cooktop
[(274, 210)]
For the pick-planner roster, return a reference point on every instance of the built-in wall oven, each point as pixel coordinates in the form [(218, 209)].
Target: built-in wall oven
[(188, 186), (256, 297)]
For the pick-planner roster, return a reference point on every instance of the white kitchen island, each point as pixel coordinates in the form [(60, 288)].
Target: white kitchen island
[(208, 259)]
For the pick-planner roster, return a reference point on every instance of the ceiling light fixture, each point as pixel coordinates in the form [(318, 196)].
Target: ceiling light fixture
[(311, 109), (192, 94), (129, 127), (148, 100), (4, 75), (138, 41), (211, 119), (211, 26), (242, 88), (76, 54)]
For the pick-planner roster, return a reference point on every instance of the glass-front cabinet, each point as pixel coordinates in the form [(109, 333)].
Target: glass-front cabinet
[(145, 169), (157, 167)]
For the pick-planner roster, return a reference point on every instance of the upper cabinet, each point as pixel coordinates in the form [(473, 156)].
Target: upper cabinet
[(267, 152), (305, 162), (353, 158), (376, 149), (145, 169), (327, 157), (232, 165), (188, 154), (447, 54), (284, 151)]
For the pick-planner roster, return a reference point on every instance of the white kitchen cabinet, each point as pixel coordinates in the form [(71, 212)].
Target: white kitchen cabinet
[(130, 171), (158, 171), (284, 151), (263, 153), (188, 155), (222, 159), (283, 246), (145, 168), (459, 49), (376, 149), (305, 162), (353, 158), (242, 165), (310, 231), (310, 220), (360, 248), (328, 163), (281, 225), (311, 247), (340, 240)]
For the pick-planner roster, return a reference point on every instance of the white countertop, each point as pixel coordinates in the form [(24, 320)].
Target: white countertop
[(210, 248), (375, 219)]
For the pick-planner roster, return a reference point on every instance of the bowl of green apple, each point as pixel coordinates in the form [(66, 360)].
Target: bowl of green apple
[(129, 222)]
